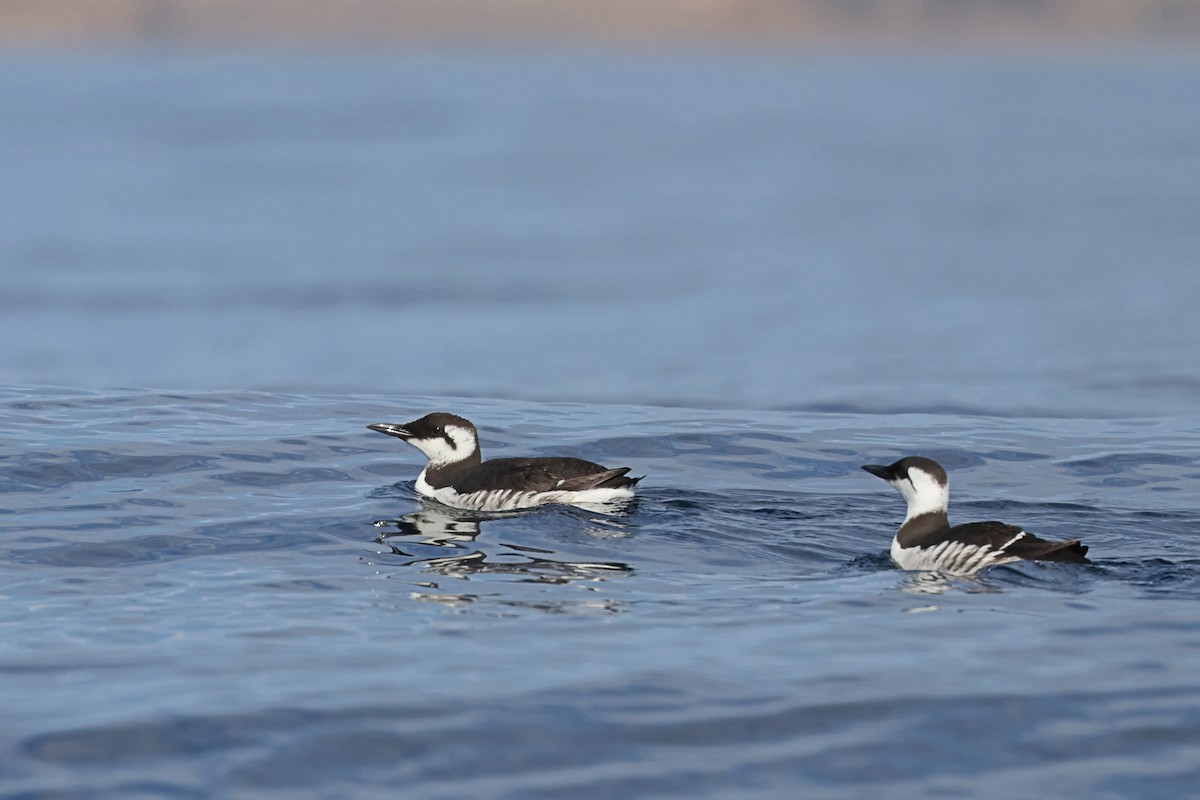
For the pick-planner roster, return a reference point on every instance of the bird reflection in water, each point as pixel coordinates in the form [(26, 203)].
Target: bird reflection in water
[(937, 583), (422, 538)]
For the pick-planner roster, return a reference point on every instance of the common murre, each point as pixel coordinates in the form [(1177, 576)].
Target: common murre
[(457, 475), (926, 541)]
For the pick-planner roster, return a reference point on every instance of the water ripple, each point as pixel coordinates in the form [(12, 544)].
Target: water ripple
[(247, 553), (827, 746)]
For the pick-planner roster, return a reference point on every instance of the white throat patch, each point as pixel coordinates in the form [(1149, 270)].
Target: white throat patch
[(923, 493)]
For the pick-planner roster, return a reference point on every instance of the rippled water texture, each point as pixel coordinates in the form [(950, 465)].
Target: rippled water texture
[(221, 594)]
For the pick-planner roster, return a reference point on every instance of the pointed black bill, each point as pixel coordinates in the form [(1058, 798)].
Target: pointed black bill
[(879, 471), (391, 430)]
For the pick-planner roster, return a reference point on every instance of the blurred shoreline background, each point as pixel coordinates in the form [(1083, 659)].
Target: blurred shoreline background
[(786, 22)]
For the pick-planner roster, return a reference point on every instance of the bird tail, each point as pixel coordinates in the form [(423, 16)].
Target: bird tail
[(1072, 552), (609, 479)]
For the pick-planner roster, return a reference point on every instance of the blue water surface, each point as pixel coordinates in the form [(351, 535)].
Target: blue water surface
[(741, 276), (241, 594), (997, 234)]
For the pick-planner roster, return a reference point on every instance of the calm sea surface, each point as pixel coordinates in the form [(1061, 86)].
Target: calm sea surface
[(741, 276)]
